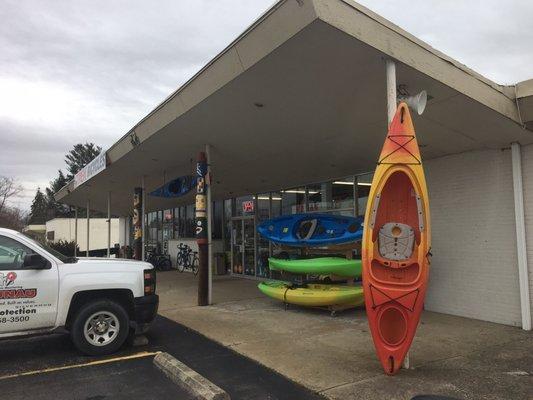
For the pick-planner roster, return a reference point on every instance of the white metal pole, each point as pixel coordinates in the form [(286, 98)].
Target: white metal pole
[(76, 231), (108, 224), (390, 68), (209, 228), (521, 249), (88, 222), (143, 212), (391, 89)]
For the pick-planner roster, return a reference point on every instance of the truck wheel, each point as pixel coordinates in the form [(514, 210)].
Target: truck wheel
[(100, 328)]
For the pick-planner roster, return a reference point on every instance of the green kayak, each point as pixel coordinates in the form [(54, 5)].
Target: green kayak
[(318, 266)]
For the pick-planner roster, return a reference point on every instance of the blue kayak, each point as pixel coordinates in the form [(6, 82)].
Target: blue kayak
[(312, 229), (175, 188)]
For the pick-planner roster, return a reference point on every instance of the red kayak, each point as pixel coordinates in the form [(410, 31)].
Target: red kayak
[(396, 243)]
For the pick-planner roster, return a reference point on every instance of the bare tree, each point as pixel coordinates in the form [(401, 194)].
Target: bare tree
[(13, 218), (8, 189)]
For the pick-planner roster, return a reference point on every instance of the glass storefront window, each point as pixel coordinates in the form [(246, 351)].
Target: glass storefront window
[(263, 245), (177, 222), (168, 225), (189, 222), (293, 200), (263, 206), (363, 189), (335, 195), (217, 219), (244, 205), (318, 197), (228, 213), (342, 193), (276, 204)]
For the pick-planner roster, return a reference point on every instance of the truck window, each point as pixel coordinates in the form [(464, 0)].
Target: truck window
[(12, 253)]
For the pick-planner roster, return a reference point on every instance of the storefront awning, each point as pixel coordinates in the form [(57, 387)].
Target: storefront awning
[(299, 98)]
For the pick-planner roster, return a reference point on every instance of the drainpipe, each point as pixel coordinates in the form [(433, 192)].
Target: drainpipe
[(521, 249)]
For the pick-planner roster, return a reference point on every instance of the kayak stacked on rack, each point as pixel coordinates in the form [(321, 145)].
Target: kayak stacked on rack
[(318, 266), (313, 294), (307, 232)]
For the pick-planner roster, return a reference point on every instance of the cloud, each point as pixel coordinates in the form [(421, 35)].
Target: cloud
[(88, 70), (492, 37)]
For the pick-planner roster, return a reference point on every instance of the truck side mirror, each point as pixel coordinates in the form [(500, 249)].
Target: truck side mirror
[(35, 261)]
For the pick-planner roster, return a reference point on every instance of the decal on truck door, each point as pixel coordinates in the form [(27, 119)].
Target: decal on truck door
[(28, 297)]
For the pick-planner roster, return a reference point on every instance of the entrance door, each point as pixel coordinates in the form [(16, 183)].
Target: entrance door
[(243, 246)]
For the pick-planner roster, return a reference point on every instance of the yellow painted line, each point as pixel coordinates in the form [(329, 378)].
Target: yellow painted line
[(88, 364)]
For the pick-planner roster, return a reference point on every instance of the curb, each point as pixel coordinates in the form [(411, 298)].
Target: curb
[(188, 379)]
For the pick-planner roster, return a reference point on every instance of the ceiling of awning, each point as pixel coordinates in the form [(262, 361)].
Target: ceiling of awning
[(311, 110)]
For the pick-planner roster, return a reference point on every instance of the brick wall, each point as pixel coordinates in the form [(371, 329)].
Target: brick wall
[(474, 267)]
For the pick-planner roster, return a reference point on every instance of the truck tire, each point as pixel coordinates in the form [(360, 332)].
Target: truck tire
[(100, 327)]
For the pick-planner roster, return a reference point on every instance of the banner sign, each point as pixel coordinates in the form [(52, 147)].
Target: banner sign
[(201, 199), (97, 165)]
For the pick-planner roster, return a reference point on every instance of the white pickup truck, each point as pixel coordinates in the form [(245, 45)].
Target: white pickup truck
[(99, 301)]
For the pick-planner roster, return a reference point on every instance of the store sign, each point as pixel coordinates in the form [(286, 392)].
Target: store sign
[(168, 215), (248, 206), (94, 167)]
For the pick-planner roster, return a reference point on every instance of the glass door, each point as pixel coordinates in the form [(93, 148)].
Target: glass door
[(237, 247), (243, 246), (249, 246)]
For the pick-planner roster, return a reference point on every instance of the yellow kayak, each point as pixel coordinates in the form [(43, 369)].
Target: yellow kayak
[(313, 294)]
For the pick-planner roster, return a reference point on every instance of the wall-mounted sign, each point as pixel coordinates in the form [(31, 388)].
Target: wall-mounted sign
[(248, 206), (95, 166)]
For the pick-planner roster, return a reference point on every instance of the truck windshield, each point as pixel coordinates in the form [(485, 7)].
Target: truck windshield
[(63, 258)]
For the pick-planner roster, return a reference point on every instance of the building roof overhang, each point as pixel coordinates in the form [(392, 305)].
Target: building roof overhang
[(299, 97)]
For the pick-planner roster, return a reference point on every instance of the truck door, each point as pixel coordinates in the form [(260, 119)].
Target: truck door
[(28, 296)]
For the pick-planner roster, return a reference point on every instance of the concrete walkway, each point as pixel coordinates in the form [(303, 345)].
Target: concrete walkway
[(453, 356)]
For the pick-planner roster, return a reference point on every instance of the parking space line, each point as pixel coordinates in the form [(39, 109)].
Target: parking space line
[(88, 364)]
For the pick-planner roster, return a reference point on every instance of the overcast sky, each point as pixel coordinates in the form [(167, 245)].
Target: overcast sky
[(76, 71)]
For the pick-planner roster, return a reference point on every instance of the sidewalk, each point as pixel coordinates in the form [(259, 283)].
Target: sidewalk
[(452, 356)]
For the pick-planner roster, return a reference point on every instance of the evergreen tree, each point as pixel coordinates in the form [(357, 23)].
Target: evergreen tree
[(38, 208), (80, 156), (55, 209)]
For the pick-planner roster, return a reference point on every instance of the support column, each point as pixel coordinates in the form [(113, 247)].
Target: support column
[(391, 90), (137, 223), (108, 224), (88, 230), (521, 249), (76, 231), (201, 230), (209, 227)]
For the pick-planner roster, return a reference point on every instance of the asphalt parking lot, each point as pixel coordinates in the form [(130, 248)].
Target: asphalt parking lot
[(121, 379), (50, 367)]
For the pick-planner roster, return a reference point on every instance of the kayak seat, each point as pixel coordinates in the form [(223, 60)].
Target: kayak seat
[(396, 242), (395, 255)]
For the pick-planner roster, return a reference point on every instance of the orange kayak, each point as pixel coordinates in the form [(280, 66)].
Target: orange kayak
[(396, 243)]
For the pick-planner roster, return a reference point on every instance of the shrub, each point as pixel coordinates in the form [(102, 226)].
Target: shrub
[(65, 247)]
